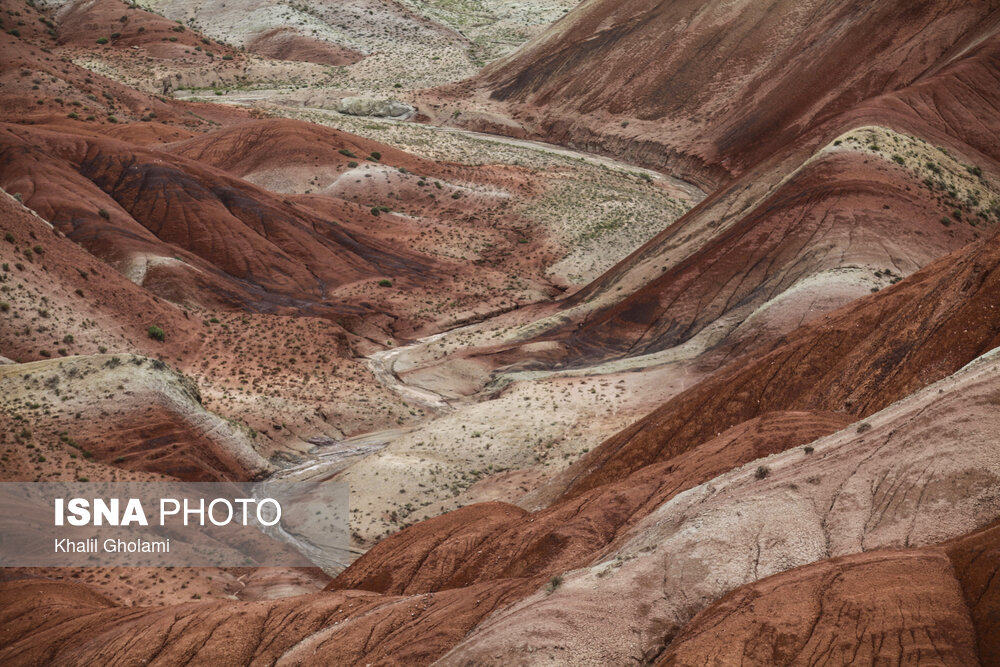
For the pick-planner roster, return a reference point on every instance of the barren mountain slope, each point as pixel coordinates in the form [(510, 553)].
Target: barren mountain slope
[(912, 606), (919, 472), (710, 89)]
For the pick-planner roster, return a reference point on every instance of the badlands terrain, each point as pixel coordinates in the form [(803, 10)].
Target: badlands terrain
[(654, 333)]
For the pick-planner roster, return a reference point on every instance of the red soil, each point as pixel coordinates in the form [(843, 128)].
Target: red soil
[(288, 44)]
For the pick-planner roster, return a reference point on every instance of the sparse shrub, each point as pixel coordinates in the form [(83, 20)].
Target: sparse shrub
[(102, 40), (456, 195), (68, 339), (8, 237), (945, 220), (115, 35), (375, 210), (864, 427), (376, 155), (975, 171), (898, 159), (346, 153), (554, 583), (156, 333), (104, 214), (385, 283), (227, 57), (4, 307), (762, 472), (45, 353), (352, 164), (808, 449)]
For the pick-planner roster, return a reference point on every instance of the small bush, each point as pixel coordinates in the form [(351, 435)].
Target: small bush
[(352, 164), (8, 237), (347, 153), (156, 333), (762, 472), (104, 214), (808, 449), (864, 427), (554, 583), (227, 57), (945, 220), (375, 210), (4, 307), (385, 283), (115, 35), (975, 171), (376, 155), (102, 40)]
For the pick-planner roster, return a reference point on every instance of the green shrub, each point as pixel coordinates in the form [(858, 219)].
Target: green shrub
[(227, 57), (156, 333), (375, 210), (762, 472), (347, 153), (104, 214), (4, 307), (352, 164), (554, 583), (376, 155), (385, 283), (102, 40)]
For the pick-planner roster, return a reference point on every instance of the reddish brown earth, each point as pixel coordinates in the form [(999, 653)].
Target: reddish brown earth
[(711, 91), (903, 608), (934, 606), (857, 360), (496, 541), (257, 235), (80, 24), (288, 44), (843, 210)]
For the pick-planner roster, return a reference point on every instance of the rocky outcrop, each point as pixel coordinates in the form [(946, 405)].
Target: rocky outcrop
[(367, 106)]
